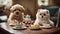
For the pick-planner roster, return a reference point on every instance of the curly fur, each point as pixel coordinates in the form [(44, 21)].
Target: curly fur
[(17, 14)]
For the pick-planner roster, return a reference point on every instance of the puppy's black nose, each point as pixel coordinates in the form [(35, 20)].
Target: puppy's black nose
[(17, 13), (42, 16)]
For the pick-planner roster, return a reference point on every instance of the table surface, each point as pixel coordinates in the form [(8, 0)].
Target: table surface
[(28, 31)]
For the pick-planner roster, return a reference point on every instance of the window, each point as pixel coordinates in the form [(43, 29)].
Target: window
[(6, 2), (42, 2)]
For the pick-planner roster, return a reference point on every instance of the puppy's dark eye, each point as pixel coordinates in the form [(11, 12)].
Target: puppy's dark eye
[(19, 10), (47, 12), (40, 14), (44, 14)]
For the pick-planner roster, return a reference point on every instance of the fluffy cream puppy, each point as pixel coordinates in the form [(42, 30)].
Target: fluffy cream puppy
[(43, 18), (16, 15)]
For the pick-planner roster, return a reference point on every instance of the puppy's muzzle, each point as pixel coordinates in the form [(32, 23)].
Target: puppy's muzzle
[(42, 16), (17, 13)]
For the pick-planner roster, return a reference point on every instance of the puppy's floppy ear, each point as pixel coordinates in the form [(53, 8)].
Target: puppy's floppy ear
[(39, 10), (47, 12), (23, 9), (12, 8), (23, 15)]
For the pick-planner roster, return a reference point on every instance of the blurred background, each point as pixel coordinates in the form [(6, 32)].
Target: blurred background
[(31, 7)]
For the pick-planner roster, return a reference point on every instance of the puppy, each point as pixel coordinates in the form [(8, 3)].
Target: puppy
[(16, 15), (43, 18)]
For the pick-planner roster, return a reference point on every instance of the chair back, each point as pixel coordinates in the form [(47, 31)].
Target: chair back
[(58, 19)]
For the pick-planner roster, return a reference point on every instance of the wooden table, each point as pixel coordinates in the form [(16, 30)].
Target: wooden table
[(28, 31)]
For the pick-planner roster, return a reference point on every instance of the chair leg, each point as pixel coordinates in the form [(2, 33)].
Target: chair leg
[(58, 19)]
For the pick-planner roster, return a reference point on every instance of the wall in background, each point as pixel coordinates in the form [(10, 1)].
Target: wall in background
[(29, 5), (54, 2), (49, 2), (43, 2)]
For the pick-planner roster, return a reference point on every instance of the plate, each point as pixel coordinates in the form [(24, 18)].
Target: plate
[(46, 27), (12, 25), (19, 28)]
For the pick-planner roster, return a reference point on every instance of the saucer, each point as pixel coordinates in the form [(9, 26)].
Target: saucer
[(46, 27), (19, 27)]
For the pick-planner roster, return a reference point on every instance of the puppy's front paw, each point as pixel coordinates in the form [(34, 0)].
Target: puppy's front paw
[(13, 22)]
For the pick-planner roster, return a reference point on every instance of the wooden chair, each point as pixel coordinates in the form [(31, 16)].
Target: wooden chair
[(58, 19)]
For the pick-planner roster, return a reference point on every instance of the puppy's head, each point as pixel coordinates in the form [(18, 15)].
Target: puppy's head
[(18, 12), (17, 9), (43, 14)]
